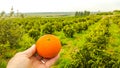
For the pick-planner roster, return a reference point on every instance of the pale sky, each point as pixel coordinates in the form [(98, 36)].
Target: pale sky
[(59, 5)]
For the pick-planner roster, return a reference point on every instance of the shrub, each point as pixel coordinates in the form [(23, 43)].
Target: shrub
[(35, 34), (58, 26), (11, 32), (48, 28), (69, 31), (25, 42)]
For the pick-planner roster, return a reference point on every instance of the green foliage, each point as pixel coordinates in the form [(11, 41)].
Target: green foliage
[(2, 13), (116, 11), (77, 27), (3, 48), (3, 63), (25, 42), (80, 26), (11, 13), (22, 15), (48, 28), (90, 41), (104, 13), (10, 32), (93, 54), (63, 62), (85, 13), (68, 30), (35, 34), (58, 26)]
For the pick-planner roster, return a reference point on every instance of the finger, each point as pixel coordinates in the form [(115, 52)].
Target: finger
[(41, 59), (52, 61), (44, 60), (34, 59), (38, 57), (37, 63), (30, 51)]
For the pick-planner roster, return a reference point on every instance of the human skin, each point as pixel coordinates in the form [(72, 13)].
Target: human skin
[(28, 59)]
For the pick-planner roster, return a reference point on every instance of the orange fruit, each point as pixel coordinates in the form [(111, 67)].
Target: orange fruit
[(48, 46)]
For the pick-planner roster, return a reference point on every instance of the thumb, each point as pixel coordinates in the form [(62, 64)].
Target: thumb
[(30, 51), (52, 61)]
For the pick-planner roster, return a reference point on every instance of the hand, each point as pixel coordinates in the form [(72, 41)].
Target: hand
[(27, 59)]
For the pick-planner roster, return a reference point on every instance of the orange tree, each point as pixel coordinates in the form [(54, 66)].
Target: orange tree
[(94, 54)]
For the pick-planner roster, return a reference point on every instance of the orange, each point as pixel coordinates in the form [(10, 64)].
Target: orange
[(48, 46)]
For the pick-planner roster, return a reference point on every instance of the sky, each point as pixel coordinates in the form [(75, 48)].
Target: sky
[(59, 5)]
